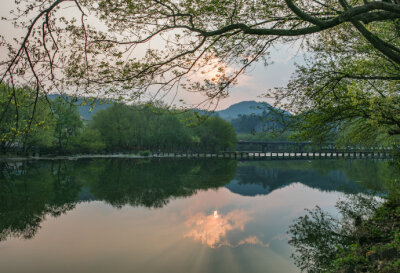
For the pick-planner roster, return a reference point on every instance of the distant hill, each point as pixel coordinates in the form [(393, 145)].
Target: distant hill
[(249, 117), (242, 108), (86, 106), (87, 109)]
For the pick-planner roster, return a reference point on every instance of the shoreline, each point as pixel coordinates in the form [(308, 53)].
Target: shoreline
[(70, 157), (257, 156)]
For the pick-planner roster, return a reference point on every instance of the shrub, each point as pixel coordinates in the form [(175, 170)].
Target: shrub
[(144, 153)]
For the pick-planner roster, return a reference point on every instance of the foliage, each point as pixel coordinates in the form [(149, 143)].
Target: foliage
[(215, 135), (200, 37), (348, 85), (131, 128), (319, 239), (88, 141), (364, 239), (119, 128), (144, 153), (67, 123), (269, 121), (263, 136), (27, 131), (346, 90)]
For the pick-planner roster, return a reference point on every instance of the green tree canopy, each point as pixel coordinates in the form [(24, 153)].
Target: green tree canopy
[(104, 48), (125, 128), (67, 123), (216, 134), (26, 120), (346, 89)]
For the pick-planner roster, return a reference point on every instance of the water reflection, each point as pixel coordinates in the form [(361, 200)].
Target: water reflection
[(212, 229), (28, 194), (261, 178), (30, 191), (170, 215), (319, 237)]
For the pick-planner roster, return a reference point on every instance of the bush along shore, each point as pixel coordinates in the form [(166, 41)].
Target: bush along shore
[(365, 238), (376, 246)]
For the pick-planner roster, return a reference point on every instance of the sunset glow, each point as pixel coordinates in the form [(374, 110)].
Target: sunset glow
[(212, 230)]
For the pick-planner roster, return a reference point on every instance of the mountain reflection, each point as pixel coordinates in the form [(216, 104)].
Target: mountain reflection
[(30, 191), (261, 178)]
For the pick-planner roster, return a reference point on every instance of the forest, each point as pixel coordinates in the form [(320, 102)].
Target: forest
[(58, 129)]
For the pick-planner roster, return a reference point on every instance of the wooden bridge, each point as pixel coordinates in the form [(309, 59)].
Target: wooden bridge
[(290, 150), (281, 155), (292, 147)]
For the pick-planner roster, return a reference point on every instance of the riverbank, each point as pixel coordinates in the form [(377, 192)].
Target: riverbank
[(376, 247), (69, 157), (119, 155), (240, 155)]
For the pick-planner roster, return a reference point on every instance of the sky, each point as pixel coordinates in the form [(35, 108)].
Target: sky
[(250, 86)]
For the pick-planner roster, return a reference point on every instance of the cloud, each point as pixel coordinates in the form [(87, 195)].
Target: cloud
[(252, 240), (211, 230)]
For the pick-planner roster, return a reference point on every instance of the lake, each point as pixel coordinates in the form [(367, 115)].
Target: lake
[(182, 215)]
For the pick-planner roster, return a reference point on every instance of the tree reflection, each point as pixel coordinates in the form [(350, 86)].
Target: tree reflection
[(318, 237), (31, 191), (126, 182)]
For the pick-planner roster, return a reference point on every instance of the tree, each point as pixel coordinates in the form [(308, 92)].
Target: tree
[(346, 90), (118, 127), (320, 238), (89, 141), (67, 123), (58, 53), (128, 127), (216, 134), (20, 129)]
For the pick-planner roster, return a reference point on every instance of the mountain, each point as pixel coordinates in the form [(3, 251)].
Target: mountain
[(87, 111), (86, 107), (250, 117), (242, 108)]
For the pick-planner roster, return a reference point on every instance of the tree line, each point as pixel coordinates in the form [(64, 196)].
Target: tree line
[(123, 127), (58, 128)]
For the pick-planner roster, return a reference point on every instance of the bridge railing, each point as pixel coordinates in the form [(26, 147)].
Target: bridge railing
[(288, 146)]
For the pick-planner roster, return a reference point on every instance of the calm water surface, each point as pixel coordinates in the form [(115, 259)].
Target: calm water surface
[(115, 215)]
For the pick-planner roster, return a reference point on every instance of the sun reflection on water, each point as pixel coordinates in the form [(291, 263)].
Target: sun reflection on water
[(215, 214), (212, 229)]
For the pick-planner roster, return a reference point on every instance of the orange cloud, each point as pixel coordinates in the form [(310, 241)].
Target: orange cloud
[(252, 240), (211, 230)]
